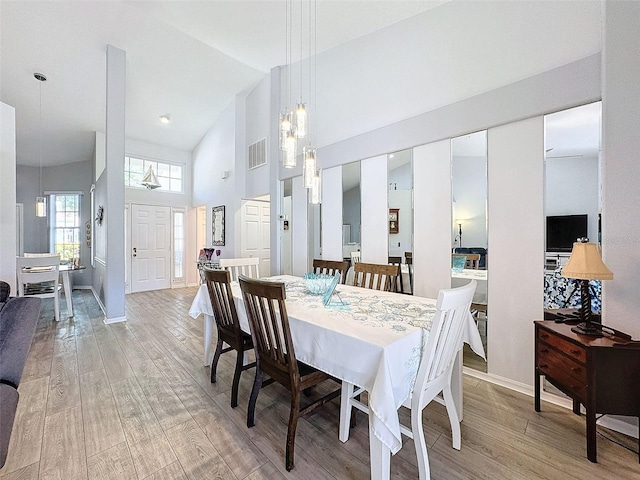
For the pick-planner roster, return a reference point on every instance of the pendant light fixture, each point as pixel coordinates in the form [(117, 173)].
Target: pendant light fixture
[(41, 201)]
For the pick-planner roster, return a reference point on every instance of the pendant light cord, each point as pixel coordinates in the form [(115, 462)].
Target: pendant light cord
[(40, 142)]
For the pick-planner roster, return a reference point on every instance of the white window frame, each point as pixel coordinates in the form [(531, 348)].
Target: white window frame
[(53, 228), (175, 280), (155, 164)]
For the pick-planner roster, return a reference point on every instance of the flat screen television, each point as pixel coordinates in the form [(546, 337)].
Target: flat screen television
[(563, 230)]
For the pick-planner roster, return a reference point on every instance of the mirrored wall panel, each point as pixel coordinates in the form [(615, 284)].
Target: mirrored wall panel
[(572, 201), (351, 211), (469, 257), (286, 259), (400, 230)]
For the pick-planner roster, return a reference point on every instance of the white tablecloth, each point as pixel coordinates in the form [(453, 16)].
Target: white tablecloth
[(374, 342), (458, 279)]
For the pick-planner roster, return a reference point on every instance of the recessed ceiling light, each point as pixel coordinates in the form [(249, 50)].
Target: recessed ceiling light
[(166, 118), (391, 155)]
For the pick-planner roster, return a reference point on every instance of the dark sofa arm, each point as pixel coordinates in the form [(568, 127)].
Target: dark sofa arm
[(18, 320), (8, 404)]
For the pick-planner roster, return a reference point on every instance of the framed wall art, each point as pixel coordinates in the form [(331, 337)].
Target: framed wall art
[(217, 226)]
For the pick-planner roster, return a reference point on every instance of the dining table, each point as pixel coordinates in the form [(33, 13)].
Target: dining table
[(66, 269), (370, 338)]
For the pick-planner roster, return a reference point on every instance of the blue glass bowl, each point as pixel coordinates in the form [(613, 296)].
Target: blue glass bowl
[(317, 284)]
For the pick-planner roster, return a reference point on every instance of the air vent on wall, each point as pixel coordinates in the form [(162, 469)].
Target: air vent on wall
[(258, 154)]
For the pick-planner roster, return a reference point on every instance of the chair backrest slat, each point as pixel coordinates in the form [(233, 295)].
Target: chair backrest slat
[(376, 277), (267, 314), (249, 267), (445, 336), (331, 267), (224, 309), (37, 269)]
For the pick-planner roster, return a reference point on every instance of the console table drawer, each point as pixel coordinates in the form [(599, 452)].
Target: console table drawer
[(569, 348), (564, 370)]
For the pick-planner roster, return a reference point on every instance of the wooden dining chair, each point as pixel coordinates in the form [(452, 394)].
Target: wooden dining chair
[(434, 374), (376, 277), (331, 267), (37, 276), (355, 257), (408, 260), (473, 261), (397, 261), (249, 267), (275, 354), (224, 311)]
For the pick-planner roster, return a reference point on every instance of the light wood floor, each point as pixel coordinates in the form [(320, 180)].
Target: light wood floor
[(133, 401)]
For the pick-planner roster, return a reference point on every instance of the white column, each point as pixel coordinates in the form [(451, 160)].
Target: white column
[(375, 211), (114, 282), (331, 224), (8, 195), (516, 245), (432, 213)]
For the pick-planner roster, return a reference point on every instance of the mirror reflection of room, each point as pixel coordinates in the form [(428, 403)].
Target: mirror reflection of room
[(285, 228), (351, 219), (571, 198), (400, 231), (469, 247)]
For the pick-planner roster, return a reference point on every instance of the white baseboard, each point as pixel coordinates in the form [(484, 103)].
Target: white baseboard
[(109, 321), (617, 424)]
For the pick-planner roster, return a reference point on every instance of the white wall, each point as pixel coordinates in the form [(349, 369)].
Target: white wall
[(331, 224), (447, 54), (375, 213), (214, 153), (515, 176), (621, 166), (8, 195), (432, 213), (257, 128)]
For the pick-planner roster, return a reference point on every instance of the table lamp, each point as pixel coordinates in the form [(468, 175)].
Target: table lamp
[(586, 264)]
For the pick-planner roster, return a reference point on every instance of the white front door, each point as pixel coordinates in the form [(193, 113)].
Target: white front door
[(255, 238), (150, 247)]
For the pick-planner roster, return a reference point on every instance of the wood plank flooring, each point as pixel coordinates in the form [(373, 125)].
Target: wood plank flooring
[(133, 401)]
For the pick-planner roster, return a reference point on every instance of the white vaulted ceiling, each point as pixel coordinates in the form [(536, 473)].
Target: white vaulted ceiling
[(185, 58)]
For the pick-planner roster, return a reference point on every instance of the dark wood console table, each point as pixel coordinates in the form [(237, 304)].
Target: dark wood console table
[(603, 374)]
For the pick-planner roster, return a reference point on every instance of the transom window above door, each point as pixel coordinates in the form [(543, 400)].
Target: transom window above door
[(170, 176)]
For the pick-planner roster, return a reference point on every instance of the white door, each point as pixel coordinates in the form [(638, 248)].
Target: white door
[(150, 247), (255, 238)]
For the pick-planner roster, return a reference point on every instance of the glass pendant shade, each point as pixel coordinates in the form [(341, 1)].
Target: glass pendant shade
[(309, 166), (285, 129), (41, 206), (301, 120), (315, 192), (290, 152)]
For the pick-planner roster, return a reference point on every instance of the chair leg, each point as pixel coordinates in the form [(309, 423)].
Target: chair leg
[(417, 429), (452, 412), (251, 409), (345, 410), (294, 413), (56, 306), (236, 379), (216, 357)]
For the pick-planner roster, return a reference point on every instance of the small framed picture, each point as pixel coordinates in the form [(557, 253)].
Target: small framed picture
[(393, 220)]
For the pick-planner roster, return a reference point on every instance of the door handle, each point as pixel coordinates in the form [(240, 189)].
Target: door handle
[(135, 251)]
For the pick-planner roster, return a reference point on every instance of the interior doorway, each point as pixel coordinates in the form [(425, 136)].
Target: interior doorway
[(255, 221)]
